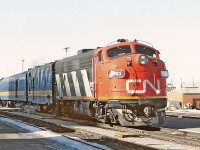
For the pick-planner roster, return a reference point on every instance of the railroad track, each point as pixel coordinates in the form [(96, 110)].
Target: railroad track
[(110, 142), (165, 134), (157, 133)]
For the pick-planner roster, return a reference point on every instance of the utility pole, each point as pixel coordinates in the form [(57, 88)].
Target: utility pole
[(181, 83), (22, 65), (193, 81), (66, 49)]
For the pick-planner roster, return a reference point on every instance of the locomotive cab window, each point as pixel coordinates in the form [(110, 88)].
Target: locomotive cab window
[(119, 51), (146, 51)]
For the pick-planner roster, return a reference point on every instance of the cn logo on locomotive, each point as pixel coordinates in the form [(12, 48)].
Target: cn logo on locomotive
[(145, 82)]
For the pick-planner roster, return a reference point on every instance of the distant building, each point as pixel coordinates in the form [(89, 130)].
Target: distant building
[(186, 95)]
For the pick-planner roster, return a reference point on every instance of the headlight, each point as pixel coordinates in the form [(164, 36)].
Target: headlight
[(164, 74), (116, 73), (143, 59)]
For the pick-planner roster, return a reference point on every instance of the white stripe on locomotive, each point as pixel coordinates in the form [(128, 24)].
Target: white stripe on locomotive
[(76, 84), (66, 82), (59, 88), (86, 83)]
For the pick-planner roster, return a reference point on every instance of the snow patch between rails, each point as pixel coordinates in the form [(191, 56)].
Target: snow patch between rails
[(44, 133)]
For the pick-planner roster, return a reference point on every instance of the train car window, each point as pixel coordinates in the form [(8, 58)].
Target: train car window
[(145, 50), (118, 51)]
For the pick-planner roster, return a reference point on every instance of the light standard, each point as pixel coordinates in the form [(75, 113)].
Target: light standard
[(66, 48), (22, 65)]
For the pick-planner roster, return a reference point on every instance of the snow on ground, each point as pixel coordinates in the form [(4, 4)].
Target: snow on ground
[(43, 133)]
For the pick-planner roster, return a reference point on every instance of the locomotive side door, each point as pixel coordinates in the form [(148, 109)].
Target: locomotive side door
[(98, 82), (30, 85), (16, 88)]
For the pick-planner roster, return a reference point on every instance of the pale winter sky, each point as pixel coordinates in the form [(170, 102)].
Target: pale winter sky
[(38, 30)]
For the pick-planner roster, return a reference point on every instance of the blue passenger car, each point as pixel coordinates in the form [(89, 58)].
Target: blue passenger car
[(40, 84), (14, 88)]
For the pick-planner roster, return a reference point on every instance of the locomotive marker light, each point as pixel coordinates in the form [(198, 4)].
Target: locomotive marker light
[(143, 59), (164, 74)]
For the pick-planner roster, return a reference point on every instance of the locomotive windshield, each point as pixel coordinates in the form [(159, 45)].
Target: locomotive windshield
[(118, 51), (145, 50)]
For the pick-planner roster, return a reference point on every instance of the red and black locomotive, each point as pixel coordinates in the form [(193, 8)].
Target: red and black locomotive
[(120, 83)]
